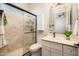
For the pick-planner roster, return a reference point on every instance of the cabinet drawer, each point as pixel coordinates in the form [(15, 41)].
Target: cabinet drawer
[(70, 50), (45, 51), (56, 46), (56, 52), (46, 43)]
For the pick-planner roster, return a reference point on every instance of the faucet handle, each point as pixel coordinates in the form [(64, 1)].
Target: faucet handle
[(54, 34)]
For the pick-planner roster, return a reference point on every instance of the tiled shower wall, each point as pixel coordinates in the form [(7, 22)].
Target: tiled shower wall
[(13, 34)]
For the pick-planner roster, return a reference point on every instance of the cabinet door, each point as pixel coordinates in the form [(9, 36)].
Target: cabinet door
[(56, 52), (70, 51), (56, 46), (45, 51), (56, 49), (78, 51)]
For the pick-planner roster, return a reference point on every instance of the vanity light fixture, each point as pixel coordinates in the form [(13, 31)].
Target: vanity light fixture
[(57, 5)]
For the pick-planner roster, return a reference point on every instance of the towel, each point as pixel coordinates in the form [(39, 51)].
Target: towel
[(75, 31), (2, 32)]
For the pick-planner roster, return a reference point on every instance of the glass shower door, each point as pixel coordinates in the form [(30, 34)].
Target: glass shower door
[(20, 30), (29, 31)]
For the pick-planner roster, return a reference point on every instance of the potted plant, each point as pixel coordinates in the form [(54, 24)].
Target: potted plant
[(68, 34)]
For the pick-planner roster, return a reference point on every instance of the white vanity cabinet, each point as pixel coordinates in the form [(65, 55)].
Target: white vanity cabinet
[(45, 51), (50, 48), (46, 48), (56, 49), (70, 51)]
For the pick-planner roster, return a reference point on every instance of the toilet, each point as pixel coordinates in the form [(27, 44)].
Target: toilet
[(35, 49)]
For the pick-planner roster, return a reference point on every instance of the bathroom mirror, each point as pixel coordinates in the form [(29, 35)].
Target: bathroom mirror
[(61, 17)]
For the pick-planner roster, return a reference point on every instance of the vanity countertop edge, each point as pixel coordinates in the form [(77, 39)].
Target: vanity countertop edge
[(60, 40)]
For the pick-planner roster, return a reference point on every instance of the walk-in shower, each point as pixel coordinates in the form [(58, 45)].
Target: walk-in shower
[(21, 30)]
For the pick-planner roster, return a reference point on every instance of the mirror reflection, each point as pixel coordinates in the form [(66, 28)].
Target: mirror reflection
[(63, 16)]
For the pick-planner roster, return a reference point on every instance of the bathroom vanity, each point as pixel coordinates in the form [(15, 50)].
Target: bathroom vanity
[(59, 46)]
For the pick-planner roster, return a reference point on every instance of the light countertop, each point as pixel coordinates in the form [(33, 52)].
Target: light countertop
[(61, 39)]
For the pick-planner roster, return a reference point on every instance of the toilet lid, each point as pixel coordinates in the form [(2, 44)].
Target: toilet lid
[(35, 47)]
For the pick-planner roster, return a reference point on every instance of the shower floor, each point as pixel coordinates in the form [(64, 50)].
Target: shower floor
[(17, 52)]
